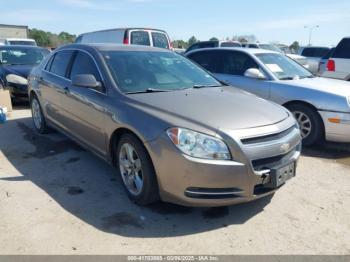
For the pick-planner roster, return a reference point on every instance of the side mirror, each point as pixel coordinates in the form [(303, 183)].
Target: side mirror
[(254, 73), (85, 80)]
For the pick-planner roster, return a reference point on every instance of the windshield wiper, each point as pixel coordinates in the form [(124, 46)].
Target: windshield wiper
[(287, 78), (204, 86), (149, 90)]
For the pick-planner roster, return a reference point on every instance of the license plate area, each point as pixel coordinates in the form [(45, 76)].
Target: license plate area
[(280, 175)]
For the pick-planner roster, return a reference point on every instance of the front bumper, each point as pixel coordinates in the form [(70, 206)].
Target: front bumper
[(337, 126), (197, 182), (18, 91)]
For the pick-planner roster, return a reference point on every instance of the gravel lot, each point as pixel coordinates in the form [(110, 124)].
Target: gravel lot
[(56, 198)]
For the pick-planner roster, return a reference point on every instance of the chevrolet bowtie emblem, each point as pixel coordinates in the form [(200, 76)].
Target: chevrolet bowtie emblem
[(285, 147)]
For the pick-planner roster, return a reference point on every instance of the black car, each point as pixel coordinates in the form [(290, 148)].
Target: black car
[(16, 62)]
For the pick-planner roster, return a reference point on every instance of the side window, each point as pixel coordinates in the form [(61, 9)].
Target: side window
[(60, 62), (48, 65), (236, 63), (206, 59), (83, 64), (307, 52), (193, 47), (343, 49)]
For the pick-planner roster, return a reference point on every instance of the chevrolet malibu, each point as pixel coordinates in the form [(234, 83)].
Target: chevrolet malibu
[(172, 130), (321, 105)]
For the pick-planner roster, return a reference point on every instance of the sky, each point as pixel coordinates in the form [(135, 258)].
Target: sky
[(268, 20)]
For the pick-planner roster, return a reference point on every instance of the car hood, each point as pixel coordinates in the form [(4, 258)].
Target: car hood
[(218, 107), (20, 70), (326, 85)]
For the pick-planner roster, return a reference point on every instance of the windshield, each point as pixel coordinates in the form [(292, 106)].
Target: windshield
[(270, 47), (22, 56), (230, 44), (137, 71), (283, 67)]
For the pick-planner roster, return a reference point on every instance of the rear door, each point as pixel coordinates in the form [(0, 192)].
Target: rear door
[(84, 107), (149, 38), (53, 84)]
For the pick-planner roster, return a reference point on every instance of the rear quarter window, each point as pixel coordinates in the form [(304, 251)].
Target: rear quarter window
[(315, 52), (343, 49)]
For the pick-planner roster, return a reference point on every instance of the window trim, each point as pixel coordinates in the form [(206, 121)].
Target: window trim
[(70, 64)]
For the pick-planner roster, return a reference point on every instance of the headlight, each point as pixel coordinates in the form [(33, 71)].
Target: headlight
[(198, 145), (16, 79)]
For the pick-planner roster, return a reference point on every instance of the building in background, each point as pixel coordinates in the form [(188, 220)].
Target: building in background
[(13, 31)]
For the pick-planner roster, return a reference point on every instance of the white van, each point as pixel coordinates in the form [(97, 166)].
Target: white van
[(18, 41), (128, 36)]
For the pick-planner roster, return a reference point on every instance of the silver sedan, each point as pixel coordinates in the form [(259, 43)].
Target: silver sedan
[(321, 106)]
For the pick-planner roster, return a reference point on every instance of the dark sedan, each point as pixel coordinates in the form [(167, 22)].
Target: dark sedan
[(16, 62)]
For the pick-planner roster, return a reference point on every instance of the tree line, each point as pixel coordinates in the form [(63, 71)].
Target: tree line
[(48, 39)]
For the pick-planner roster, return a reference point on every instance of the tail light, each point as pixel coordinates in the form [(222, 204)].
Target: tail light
[(171, 46), (330, 65), (126, 41)]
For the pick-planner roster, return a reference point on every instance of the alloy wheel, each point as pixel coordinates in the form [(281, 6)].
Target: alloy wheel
[(36, 113), (304, 122), (131, 169)]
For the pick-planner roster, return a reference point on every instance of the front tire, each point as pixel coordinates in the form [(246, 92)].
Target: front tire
[(310, 122), (38, 116), (136, 170)]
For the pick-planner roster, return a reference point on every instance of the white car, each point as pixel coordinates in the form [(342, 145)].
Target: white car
[(18, 41), (298, 58), (338, 65)]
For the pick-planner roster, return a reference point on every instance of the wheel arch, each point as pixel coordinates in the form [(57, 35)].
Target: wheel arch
[(114, 139), (299, 102)]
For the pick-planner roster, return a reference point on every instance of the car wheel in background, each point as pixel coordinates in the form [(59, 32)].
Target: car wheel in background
[(38, 116), (310, 123), (136, 170)]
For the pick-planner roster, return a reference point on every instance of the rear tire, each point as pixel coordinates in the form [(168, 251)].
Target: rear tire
[(38, 116), (310, 122), (136, 170)]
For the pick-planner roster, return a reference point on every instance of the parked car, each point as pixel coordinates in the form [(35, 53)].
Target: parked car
[(298, 58), (15, 64), (18, 41), (147, 110), (128, 36), (338, 65), (207, 44), (313, 55), (322, 66), (321, 105)]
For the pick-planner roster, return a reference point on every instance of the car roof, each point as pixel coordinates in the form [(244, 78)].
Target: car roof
[(315, 47), (20, 39), (113, 47), (244, 50), (9, 47), (125, 28)]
